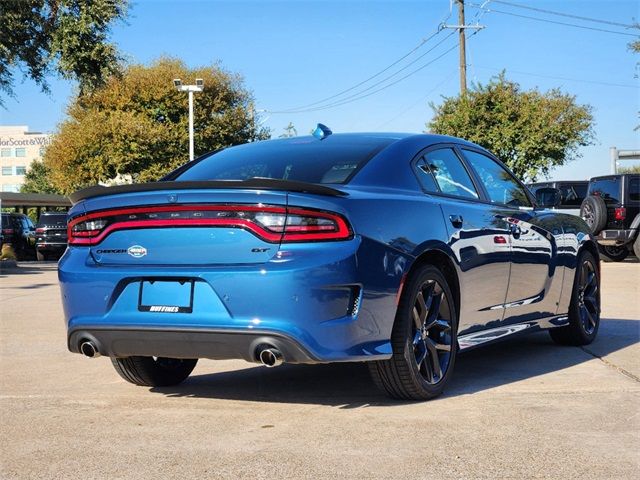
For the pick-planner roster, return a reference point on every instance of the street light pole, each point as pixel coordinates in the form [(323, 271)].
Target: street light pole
[(190, 89)]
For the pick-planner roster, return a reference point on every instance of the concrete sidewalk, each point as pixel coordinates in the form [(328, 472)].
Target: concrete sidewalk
[(522, 409)]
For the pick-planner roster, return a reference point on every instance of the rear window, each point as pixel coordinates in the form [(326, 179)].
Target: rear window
[(305, 159), (607, 188), (53, 219), (634, 189), (572, 194)]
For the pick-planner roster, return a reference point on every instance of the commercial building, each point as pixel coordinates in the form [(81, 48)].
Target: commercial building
[(19, 148)]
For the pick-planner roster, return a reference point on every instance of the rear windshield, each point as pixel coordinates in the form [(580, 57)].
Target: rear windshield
[(572, 194), (53, 219), (306, 159), (606, 188)]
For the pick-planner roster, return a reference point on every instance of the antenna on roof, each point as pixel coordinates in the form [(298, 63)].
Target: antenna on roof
[(321, 131)]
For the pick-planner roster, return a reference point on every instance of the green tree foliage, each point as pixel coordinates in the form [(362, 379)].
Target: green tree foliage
[(530, 131), (137, 125), (69, 37), (38, 180), (630, 169)]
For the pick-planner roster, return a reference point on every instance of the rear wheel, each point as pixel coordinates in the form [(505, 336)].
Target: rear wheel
[(153, 371), (424, 340), (612, 253), (636, 247), (584, 311)]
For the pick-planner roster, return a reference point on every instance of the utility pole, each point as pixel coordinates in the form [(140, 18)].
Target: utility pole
[(463, 50), (198, 87), (461, 27)]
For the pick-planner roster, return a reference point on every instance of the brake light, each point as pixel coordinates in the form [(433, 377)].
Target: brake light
[(621, 213), (270, 223), (7, 231), (40, 230)]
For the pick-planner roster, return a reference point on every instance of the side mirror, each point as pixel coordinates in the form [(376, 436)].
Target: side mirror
[(548, 197)]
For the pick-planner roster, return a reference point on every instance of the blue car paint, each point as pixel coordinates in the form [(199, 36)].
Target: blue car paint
[(305, 292)]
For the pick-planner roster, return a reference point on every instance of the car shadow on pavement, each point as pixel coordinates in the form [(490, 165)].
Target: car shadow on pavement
[(348, 385)]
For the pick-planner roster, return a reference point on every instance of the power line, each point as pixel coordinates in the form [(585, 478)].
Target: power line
[(311, 108), (568, 15), (413, 72), (594, 82), (566, 24)]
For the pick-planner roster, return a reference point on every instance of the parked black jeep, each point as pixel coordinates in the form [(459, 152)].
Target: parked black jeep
[(51, 235), (612, 211)]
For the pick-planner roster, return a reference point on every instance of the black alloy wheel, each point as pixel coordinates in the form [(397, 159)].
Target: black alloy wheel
[(423, 340), (584, 310)]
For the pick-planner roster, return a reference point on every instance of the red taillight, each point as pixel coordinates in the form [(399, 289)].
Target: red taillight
[(621, 213), (7, 231), (270, 223), (40, 230)]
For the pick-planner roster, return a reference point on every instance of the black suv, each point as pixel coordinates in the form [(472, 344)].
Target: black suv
[(612, 211), (572, 193), (51, 235), (19, 231)]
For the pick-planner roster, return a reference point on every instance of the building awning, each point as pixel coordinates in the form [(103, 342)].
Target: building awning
[(10, 199)]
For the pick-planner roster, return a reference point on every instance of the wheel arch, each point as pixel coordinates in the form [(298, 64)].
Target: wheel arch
[(446, 265)]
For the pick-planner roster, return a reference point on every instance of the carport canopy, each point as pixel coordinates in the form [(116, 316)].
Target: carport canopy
[(32, 200)]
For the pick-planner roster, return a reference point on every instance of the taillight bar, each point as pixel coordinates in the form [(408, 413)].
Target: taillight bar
[(272, 224)]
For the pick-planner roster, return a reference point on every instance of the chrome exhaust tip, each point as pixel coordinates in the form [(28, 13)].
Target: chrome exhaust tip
[(88, 349), (271, 357)]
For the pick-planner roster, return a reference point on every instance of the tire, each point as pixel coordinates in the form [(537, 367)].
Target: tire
[(423, 357), (594, 212), (636, 247), (41, 257), (584, 310), (153, 371), (612, 253)]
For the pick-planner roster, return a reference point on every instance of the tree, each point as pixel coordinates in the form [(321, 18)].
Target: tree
[(630, 169), (137, 125), (66, 36), (289, 131), (530, 131), (37, 179)]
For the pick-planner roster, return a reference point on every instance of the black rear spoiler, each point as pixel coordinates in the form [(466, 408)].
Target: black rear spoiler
[(251, 183)]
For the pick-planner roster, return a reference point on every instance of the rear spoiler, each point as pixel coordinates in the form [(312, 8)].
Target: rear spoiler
[(251, 183)]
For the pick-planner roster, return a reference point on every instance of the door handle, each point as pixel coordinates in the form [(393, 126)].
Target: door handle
[(456, 220)]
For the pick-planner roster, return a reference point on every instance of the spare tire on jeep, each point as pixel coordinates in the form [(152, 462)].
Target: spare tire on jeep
[(594, 212)]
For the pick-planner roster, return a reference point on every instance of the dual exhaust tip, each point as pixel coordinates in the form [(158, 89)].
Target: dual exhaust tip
[(270, 357)]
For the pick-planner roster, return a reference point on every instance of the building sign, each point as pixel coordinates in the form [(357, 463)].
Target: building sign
[(43, 140)]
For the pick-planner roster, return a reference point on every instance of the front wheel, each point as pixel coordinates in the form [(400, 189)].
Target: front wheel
[(153, 371), (424, 340), (584, 310)]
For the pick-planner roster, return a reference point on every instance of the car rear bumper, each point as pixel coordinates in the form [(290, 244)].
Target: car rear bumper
[(188, 343), (616, 237), (314, 304)]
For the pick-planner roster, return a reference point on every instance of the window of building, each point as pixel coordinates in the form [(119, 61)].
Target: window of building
[(21, 170), (21, 152), (7, 170), (5, 152)]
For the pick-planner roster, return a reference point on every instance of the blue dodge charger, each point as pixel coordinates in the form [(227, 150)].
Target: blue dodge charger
[(391, 249)]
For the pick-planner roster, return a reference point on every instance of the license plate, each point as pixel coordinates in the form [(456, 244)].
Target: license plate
[(166, 296)]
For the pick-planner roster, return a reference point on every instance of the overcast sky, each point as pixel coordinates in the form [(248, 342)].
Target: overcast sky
[(295, 53)]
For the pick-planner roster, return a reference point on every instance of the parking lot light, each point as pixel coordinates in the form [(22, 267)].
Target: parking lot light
[(198, 87)]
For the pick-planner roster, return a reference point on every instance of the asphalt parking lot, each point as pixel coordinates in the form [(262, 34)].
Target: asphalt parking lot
[(522, 409)]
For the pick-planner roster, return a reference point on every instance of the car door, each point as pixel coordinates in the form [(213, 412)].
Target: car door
[(533, 243), (477, 237)]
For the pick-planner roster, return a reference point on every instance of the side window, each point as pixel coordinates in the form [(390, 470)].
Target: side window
[(449, 173), (572, 194), (501, 186), (424, 175), (634, 189)]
